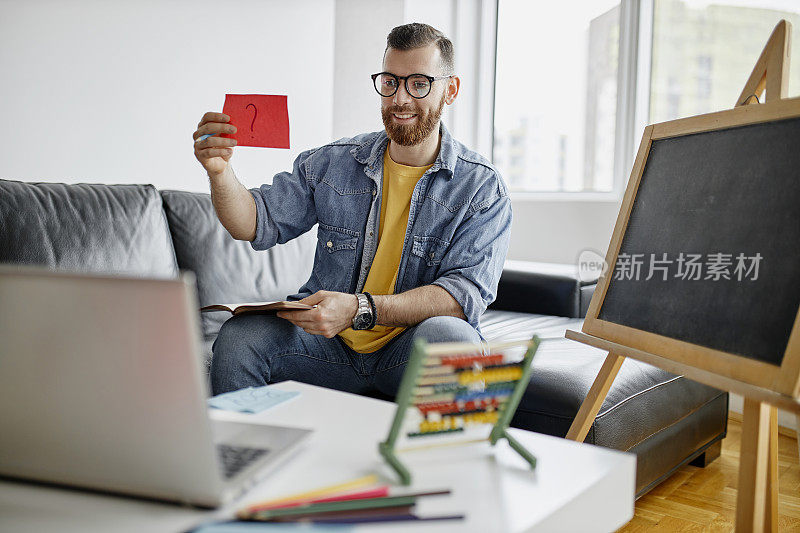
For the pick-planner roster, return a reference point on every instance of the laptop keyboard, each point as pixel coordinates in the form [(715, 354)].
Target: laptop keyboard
[(236, 458)]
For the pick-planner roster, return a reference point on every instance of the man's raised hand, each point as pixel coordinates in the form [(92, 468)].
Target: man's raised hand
[(214, 152)]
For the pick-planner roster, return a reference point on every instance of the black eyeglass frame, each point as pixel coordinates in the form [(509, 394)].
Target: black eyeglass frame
[(431, 79)]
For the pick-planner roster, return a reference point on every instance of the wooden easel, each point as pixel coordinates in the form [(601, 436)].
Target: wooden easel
[(757, 500)]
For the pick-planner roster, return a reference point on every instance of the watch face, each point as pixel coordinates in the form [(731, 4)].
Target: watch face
[(361, 321)]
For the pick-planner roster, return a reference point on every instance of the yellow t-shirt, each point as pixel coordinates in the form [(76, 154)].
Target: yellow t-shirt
[(398, 185)]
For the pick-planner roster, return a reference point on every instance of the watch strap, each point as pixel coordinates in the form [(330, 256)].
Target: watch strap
[(374, 319), (364, 307)]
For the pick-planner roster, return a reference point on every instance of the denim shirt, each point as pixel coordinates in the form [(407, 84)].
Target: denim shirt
[(459, 221)]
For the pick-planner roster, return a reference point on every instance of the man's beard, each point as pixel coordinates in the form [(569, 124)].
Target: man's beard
[(411, 134)]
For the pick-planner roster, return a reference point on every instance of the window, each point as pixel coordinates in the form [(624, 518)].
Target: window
[(556, 93), (703, 52), (575, 82)]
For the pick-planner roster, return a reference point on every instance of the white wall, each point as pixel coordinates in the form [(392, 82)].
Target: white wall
[(785, 418), (111, 92), (555, 231), (361, 30)]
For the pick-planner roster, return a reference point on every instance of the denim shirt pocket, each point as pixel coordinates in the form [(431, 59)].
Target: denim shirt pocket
[(336, 252), (426, 253)]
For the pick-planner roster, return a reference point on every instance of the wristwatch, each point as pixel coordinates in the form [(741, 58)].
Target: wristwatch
[(363, 318)]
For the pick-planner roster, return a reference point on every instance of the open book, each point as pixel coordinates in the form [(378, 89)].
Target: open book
[(258, 307)]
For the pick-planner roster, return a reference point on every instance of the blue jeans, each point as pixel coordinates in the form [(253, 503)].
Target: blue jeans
[(254, 350)]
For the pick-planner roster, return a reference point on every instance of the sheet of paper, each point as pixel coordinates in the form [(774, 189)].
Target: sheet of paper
[(260, 119), (251, 400)]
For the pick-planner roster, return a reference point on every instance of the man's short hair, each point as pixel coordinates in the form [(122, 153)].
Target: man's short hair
[(417, 35)]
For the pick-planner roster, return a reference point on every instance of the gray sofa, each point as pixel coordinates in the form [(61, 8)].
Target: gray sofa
[(666, 420)]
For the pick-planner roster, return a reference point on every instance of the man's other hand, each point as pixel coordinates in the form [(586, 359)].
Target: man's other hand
[(334, 313)]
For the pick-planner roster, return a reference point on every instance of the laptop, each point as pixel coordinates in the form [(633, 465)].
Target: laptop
[(101, 387)]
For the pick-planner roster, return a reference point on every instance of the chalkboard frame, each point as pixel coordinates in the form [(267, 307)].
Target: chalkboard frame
[(784, 379)]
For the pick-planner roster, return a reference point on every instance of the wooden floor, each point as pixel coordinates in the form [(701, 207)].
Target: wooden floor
[(704, 499)]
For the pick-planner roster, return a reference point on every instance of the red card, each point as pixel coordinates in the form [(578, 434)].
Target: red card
[(260, 119)]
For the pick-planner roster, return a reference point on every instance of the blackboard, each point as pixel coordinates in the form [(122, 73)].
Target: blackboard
[(728, 191)]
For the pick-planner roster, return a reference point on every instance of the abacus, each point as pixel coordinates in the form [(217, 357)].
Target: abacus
[(451, 392)]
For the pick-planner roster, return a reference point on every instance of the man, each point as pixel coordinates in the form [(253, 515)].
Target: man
[(413, 233)]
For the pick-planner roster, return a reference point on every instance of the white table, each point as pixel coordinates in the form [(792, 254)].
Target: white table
[(575, 487)]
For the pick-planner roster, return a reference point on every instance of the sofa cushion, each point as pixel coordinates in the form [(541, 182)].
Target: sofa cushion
[(227, 270), (86, 227)]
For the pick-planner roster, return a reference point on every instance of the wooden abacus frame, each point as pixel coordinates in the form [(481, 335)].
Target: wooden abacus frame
[(419, 354)]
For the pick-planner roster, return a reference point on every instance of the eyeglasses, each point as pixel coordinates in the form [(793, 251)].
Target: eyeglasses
[(417, 85)]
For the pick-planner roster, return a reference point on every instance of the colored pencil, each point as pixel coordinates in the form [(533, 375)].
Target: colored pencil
[(348, 505), (321, 492), (364, 494), (397, 510), (396, 518)]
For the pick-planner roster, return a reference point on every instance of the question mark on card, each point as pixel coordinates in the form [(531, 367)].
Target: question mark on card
[(255, 114)]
